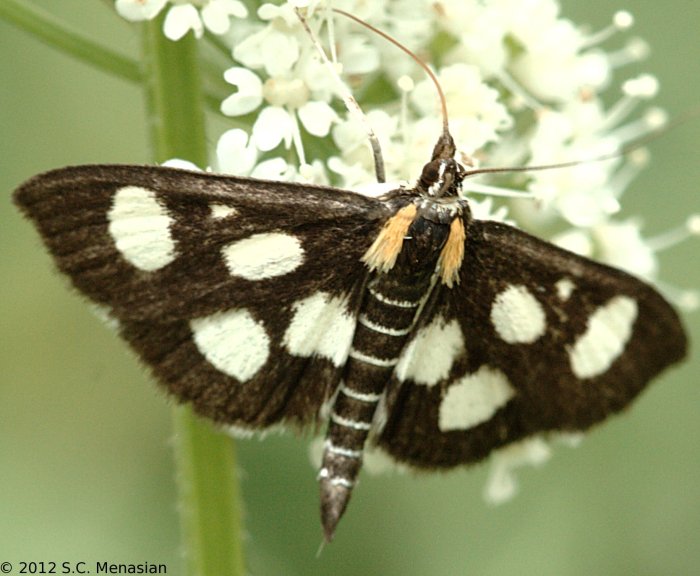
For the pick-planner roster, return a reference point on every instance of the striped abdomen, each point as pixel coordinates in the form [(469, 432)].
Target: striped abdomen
[(391, 304)]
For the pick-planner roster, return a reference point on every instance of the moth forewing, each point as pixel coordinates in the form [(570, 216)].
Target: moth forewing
[(154, 243), (534, 340), (188, 265)]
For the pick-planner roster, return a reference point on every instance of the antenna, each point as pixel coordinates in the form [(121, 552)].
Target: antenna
[(349, 100), (423, 65), (635, 144), (445, 147)]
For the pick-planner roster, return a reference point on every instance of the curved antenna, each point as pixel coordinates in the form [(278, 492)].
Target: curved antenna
[(445, 147), (423, 65), (635, 144)]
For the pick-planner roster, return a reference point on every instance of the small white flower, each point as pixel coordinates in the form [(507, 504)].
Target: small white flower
[(180, 20), (216, 14), (356, 163), (358, 54), (276, 123), (502, 484), (621, 244), (249, 94), (283, 13), (485, 210), (182, 17), (297, 89), (576, 241), (308, 5), (476, 113), (317, 118), (234, 153), (481, 31), (237, 154), (273, 49), (273, 126), (583, 195), (181, 164), (550, 66), (314, 173), (137, 10)]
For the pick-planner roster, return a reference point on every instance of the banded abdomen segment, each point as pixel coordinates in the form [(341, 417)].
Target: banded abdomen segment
[(383, 326), (390, 307)]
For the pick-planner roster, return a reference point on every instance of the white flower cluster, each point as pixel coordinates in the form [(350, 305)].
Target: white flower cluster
[(183, 16), (522, 84)]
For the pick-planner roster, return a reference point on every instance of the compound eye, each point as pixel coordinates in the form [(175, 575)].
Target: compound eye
[(430, 174)]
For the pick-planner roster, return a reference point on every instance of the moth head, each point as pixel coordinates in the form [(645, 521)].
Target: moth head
[(441, 178), (443, 175)]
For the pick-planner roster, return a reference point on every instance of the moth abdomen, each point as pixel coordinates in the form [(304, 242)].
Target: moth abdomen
[(412, 246)]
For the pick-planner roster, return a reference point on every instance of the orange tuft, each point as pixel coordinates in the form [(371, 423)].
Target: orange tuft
[(385, 249), (452, 254)]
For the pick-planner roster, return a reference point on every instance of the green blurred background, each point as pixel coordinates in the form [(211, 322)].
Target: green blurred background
[(85, 463)]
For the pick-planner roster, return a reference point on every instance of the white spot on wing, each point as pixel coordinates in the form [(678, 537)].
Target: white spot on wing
[(219, 211), (474, 399), (321, 326), (263, 256), (429, 357), (140, 227), (565, 288), (517, 316), (607, 333), (233, 341)]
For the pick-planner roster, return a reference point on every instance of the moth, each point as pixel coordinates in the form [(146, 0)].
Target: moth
[(396, 321)]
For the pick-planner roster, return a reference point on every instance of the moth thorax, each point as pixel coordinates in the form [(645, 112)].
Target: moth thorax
[(440, 178)]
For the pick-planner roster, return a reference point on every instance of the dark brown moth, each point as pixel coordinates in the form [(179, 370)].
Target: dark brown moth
[(399, 321)]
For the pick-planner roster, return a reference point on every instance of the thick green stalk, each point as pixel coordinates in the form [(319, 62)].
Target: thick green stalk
[(208, 484), (58, 35)]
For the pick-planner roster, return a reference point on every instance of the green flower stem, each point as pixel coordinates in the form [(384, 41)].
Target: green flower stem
[(209, 501), (56, 34), (208, 483), (63, 38)]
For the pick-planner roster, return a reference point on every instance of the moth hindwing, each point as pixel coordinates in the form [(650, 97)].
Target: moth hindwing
[(397, 321)]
